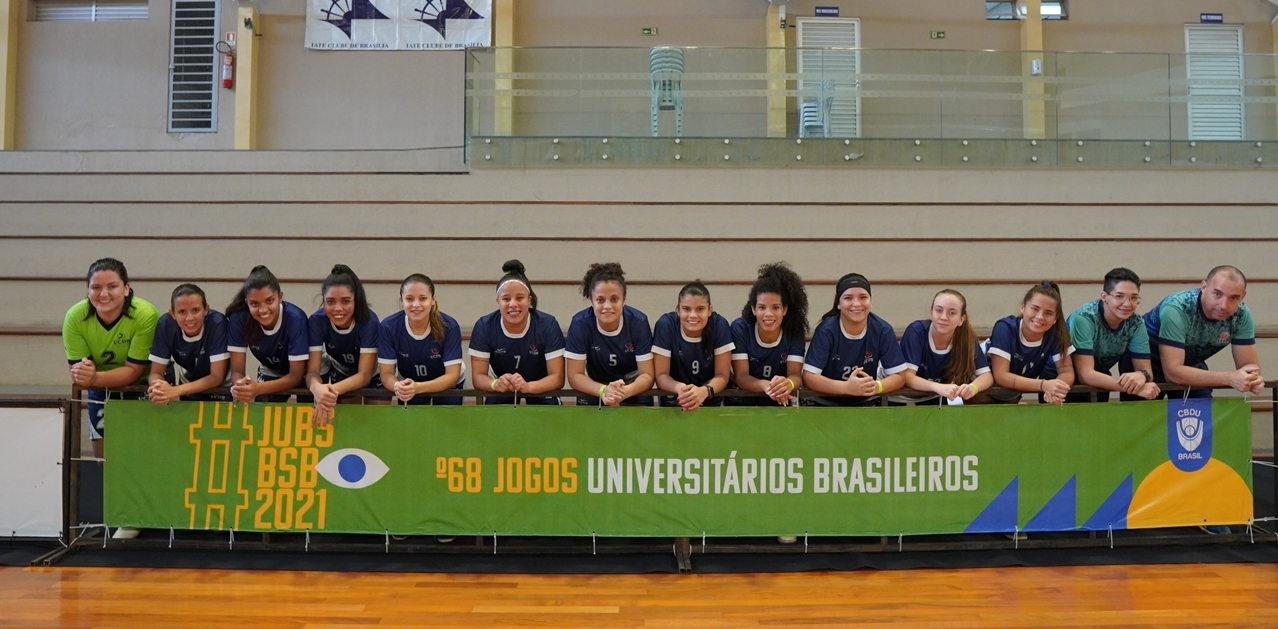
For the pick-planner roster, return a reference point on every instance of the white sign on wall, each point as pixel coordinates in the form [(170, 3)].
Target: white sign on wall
[(398, 24), (30, 457)]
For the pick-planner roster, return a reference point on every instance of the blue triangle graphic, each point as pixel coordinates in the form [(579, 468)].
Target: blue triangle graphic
[(1113, 511), (999, 515), (1060, 513)]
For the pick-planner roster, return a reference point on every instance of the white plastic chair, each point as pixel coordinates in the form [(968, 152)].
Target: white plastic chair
[(665, 65), (815, 113)]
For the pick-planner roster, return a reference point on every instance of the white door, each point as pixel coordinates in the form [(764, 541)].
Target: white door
[(1215, 53), (816, 35)]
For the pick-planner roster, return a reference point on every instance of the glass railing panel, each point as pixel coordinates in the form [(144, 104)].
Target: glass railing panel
[(984, 95), (900, 93), (1110, 96)]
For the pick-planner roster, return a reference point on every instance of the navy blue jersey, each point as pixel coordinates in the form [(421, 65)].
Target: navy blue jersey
[(525, 353), (1029, 360), (341, 349), (690, 361), (929, 363), (420, 358), (276, 348), (612, 355), (193, 356), (766, 360), (835, 354)]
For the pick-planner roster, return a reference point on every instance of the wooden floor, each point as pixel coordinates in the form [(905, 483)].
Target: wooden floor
[(1217, 595)]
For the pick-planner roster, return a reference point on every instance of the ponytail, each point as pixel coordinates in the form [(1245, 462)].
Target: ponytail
[(342, 275), (779, 279), (1049, 289), (259, 277), (514, 270), (117, 267), (697, 289), (962, 366), (437, 325)]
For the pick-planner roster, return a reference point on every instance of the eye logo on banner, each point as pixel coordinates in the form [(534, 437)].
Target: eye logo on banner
[(1189, 433), (351, 468), (341, 13), (435, 13)]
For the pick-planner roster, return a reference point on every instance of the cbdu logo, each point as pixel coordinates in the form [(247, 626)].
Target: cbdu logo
[(1189, 433), (351, 468)]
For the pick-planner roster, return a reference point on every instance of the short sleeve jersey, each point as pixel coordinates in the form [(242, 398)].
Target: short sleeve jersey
[(126, 340), (928, 362), (766, 359), (1092, 336), (1179, 321), (420, 358), (276, 348), (690, 362), (835, 354), (1027, 359), (341, 348), (612, 355), (524, 353), (194, 355)]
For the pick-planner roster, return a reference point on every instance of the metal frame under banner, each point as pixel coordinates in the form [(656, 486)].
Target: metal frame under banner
[(641, 480)]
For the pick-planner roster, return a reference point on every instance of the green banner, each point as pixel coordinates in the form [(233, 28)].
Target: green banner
[(570, 471)]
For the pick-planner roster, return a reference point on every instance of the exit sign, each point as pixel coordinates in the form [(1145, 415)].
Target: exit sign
[(938, 34), (649, 30)]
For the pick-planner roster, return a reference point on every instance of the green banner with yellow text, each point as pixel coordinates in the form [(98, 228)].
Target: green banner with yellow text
[(734, 471)]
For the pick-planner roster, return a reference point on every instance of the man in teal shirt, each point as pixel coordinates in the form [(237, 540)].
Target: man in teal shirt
[(1108, 332), (1189, 327)]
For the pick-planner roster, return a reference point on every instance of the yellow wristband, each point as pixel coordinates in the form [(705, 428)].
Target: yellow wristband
[(878, 386), (793, 386), (602, 388), (494, 384), (975, 390)]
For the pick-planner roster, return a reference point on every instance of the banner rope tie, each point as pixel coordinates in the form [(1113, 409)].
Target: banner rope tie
[(1185, 400), (1264, 463), (1251, 534), (594, 544), (306, 547), (387, 531), (494, 541), (516, 398), (230, 545), (703, 542), (805, 542), (1016, 537), (170, 536), (1111, 536), (900, 541), (106, 532)]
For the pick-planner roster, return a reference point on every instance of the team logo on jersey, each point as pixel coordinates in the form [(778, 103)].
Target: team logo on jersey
[(869, 358), (532, 350), (1224, 336), (342, 13), (119, 339), (1189, 433), (434, 353), (435, 13), (499, 350), (351, 468), (630, 348)]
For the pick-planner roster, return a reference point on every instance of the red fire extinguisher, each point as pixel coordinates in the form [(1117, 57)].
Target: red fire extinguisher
[(228, 70)]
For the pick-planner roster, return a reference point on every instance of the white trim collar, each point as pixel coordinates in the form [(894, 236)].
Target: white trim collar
[(621, 323), (760, 341), (409, 327)]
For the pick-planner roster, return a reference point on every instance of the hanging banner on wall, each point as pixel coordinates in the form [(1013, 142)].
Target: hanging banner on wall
[(575, 471), (398, 24)]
